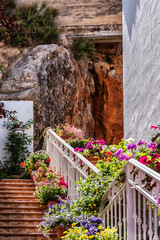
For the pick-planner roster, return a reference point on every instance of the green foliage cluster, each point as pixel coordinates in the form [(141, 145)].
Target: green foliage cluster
[(93, 188), (17, 151), (83, 48), (50, 190), (80, 143), (27, 25), (38, 158)]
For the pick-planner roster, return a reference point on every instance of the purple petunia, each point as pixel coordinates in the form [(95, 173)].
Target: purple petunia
[(122, 157), (141, 142), (118, 152), (158, 201), (152, 145), (131, 146)]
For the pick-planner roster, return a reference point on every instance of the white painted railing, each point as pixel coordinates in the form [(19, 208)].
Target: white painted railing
[(130, 203), (71, 165)]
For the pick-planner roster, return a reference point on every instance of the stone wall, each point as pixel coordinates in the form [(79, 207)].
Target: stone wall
[(141, 67), (86, 15)]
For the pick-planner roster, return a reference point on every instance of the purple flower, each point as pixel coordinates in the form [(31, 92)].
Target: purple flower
[(122, 157), (158, 201), (152, 145), (141, 142), (131, 146), (118, 152)]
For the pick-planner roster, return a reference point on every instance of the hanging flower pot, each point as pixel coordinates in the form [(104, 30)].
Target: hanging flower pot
[(19, 131)]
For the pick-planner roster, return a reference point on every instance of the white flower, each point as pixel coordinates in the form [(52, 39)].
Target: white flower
[(114, 149), (130, 140)]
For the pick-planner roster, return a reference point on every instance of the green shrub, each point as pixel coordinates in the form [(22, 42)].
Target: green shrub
[(27, 25), (83, 48), (39, 23)]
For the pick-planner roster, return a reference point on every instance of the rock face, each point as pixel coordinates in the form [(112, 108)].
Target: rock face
[(86, 94)]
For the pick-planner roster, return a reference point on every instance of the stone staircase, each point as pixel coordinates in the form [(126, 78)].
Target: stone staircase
[(20, 212)]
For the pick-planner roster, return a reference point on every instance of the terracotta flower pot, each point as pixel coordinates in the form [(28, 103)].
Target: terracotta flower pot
[(19, 131), (51, 202), (60, 231), (64, 137), (93, 159)]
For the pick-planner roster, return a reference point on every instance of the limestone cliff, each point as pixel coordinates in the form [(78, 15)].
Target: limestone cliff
[(86, 94)]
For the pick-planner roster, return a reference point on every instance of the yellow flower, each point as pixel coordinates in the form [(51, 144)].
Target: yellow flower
[(100, 227), (86, 231)]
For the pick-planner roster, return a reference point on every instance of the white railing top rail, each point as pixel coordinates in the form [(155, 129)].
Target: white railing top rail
[(83, 159), (145, 169)]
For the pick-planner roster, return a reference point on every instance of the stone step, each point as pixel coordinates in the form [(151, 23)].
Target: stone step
[(25, 221), (17, 197), (20, 215), (9, 192), (11, 209), (17, 184), (18, 229), (16, 188), (17, 204), (25, 236), (16, 180)]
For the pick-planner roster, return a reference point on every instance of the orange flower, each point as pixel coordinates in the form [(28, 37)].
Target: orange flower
[(108, 153)]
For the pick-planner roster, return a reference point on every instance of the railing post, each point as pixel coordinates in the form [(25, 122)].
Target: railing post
[(131, 226)]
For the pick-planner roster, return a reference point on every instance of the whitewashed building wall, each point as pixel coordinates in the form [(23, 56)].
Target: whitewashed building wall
[(24, 112), (141, 48)]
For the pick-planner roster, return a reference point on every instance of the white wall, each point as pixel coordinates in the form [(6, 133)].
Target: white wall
[(141, 46), (24, 112)]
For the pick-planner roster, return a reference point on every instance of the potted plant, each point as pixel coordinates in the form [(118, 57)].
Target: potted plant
[(58, 216), (66, 131), (51, 190), (17, 126), (35, 160)]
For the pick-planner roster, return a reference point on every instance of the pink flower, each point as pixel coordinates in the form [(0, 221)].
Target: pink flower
[(158, 165), (154, 127)]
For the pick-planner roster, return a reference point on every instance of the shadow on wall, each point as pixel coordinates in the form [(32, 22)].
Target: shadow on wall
[(129, 11)]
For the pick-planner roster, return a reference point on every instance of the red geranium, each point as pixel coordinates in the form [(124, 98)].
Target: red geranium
[(22, 164), (48, 160), (62, 183)]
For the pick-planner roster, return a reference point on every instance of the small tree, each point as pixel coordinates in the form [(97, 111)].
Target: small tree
[(83, 48)]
